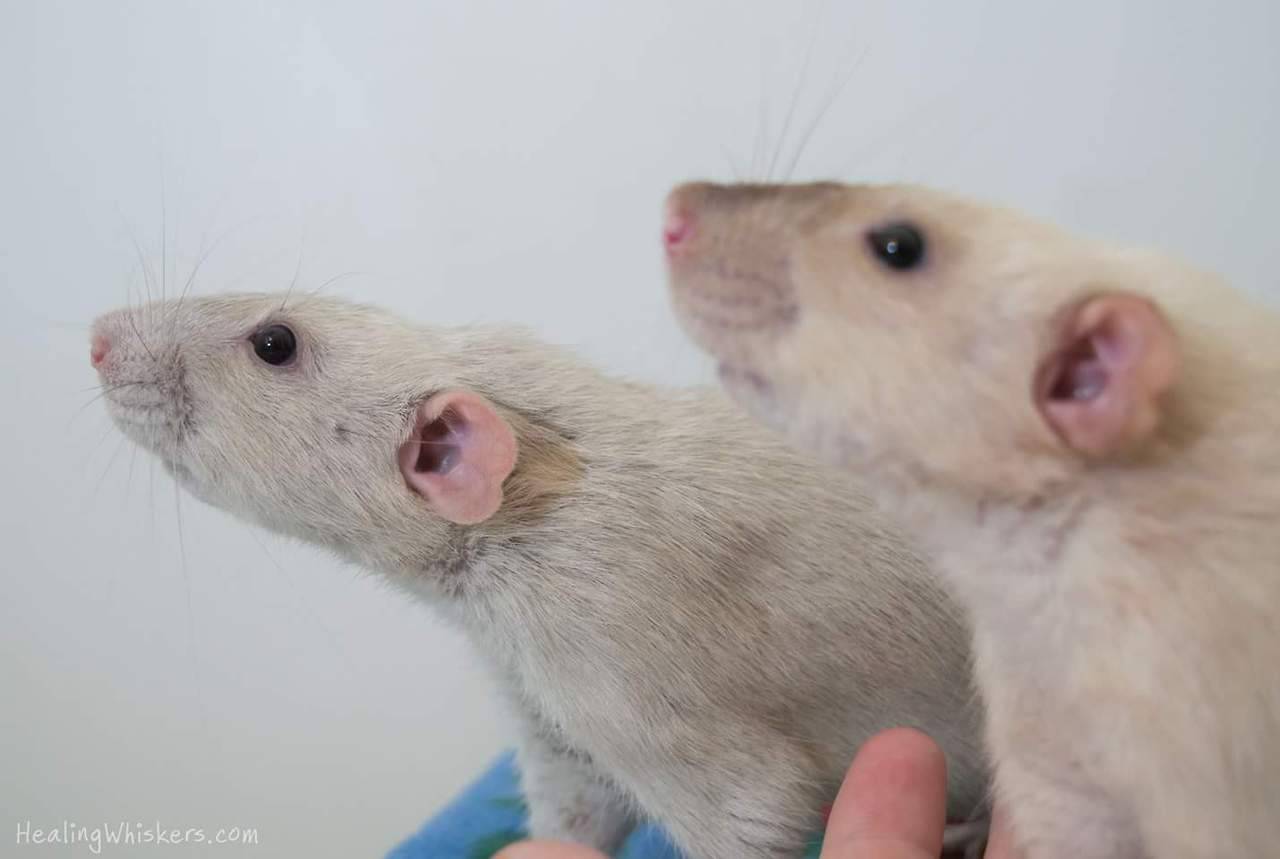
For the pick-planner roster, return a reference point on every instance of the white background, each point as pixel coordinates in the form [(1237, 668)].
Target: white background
[(459, 162)]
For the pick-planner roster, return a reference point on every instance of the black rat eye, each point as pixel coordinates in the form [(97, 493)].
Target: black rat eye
[(274, 344), (899, 246)]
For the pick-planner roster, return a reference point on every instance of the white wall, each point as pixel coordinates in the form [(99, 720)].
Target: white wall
[(478, 160)]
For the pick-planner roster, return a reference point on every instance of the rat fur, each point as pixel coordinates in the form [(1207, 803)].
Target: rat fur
[(690, 622), (1084, 437)]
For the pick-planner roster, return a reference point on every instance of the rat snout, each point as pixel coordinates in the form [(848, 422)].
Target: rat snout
[(142, 376), (728, 265), (698, 213), (133, 343), (693, 209)]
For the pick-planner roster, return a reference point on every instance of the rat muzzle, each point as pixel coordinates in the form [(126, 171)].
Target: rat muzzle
[(140, 368)]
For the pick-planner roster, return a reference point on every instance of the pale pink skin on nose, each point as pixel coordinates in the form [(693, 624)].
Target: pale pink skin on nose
[(99, 346), (676, 227)]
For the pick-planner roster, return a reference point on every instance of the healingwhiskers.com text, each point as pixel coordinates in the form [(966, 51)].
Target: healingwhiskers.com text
[(99, 837)]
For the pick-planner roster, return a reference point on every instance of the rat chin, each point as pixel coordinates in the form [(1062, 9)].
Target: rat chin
[(158, 436)]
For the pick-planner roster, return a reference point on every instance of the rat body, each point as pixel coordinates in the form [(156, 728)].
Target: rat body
[(690, 622), (1083, 436)]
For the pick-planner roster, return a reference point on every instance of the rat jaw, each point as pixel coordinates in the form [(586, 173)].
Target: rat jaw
[(157, 435), (744, 319), (752, 368), (740, 351), (737, 313)]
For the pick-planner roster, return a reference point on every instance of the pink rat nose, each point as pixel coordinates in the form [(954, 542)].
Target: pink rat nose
[(99, 346), (676, 226)]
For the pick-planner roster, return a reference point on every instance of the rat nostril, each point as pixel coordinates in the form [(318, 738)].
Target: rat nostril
[(676, 227), (98, 349)]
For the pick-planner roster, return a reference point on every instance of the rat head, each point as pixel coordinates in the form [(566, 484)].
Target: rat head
[(932, 338), (314, 417)]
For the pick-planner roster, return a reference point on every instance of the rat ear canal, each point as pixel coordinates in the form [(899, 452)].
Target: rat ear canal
[(458, 456), (1101, 387)]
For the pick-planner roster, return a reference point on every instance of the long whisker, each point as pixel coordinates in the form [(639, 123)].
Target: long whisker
[(337, 277), (297, 269), (795, 99), (205, 253), (102, 393), (133, 323), (182, 543), (733, 165), (97, 484), (164, 234), (128, 297), (142, 259), (762, 126), (99, 387), (93, 451), (113, 386), (186, 583), (128, 483), (832, 97), (151, 491), (110, 461)]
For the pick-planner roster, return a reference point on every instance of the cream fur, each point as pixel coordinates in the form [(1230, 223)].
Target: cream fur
[(1126, 610)]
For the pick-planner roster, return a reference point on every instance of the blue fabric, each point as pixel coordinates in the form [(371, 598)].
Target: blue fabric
[(490, 814)]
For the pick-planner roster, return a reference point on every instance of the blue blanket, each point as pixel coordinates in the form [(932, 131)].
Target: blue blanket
[(490, 814)]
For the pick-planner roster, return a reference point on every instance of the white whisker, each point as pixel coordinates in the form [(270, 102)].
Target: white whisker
[(835, 93), (111, 460), (795, 100)]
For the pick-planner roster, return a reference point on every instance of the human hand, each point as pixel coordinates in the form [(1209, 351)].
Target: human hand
[(548, 850), (892, 805)]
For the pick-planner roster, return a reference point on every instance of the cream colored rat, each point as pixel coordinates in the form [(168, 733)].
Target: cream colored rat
[(691, 622), (1086, 439)]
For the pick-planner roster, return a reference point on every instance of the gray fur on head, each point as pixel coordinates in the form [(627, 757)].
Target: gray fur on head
[(692, 623)]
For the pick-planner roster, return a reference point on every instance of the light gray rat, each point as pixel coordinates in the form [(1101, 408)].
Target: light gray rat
[(1083, 436), (692, 623)]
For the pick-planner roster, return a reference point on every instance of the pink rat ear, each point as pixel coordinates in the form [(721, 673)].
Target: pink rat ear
[(1101, 387), (458, 456)]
